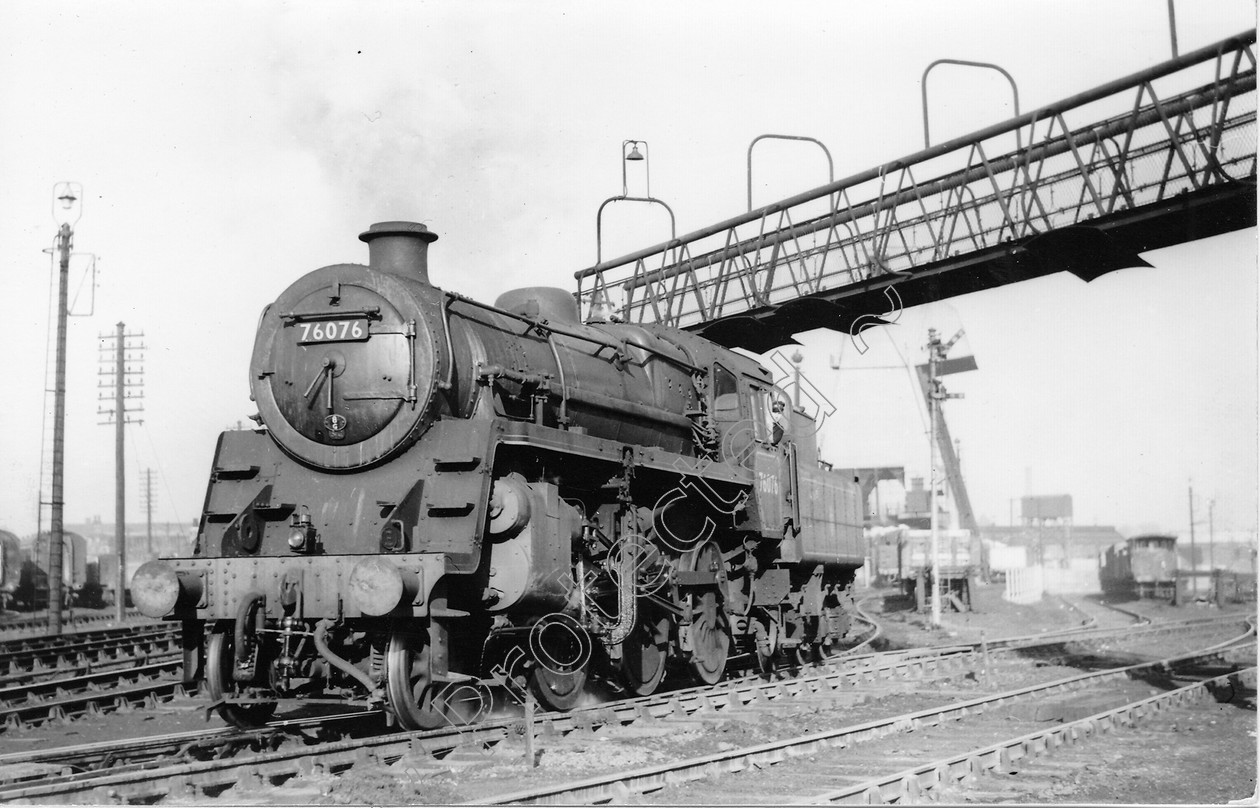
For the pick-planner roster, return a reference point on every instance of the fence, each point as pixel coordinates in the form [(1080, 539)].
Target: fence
[(1027, 584)]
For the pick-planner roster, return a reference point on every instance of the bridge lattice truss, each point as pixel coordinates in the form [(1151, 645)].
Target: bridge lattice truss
[(1156, 158)]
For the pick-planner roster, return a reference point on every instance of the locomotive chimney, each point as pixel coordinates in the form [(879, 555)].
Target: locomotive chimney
[(399, 248)]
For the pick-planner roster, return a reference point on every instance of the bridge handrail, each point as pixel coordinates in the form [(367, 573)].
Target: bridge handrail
[(1238, 45)]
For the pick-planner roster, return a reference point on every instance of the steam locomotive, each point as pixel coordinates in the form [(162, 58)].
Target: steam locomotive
[(446, 499)]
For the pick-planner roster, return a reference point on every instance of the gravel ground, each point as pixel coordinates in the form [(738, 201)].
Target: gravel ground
[(1206, 758)]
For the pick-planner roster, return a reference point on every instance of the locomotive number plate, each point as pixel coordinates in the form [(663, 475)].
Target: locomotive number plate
[(333, 331)]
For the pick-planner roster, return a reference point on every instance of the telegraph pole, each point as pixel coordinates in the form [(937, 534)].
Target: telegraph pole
[(119, 416), (1194, 582), (1211, 537), (148, 511)]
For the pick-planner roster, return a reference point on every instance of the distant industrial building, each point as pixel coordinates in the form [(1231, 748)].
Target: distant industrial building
[(167, 539), (1054, 543)]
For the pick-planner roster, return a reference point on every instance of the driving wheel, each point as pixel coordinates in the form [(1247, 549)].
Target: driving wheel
[(409, 686), (562, 653), (220, 662), (645, 651), (710, 630)]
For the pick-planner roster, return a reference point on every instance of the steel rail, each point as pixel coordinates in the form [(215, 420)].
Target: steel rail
[(920, 781), (67, 766), (838, 676), (48, 642), (877, 630), (73, 670), (90, 652), (24, 706), (39, 620), (619, 784), (1164, 627), (187, 778)]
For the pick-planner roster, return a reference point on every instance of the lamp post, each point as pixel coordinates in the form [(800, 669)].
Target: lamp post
[(633, 155), (1172, 27), (636, 156), (67, 208), (797, 359)]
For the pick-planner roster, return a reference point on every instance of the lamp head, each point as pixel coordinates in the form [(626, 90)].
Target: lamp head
[(67, 202)]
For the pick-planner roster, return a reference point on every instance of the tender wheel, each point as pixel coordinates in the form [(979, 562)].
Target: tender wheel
[(409, 688), (220, 661), (645, 652), (562, 654), (710, 630)]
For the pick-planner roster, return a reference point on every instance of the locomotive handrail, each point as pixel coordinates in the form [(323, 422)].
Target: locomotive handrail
[(371, 312), (587, 397), (544, 327)]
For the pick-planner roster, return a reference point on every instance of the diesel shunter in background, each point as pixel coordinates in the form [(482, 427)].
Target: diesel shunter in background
[(444, 495), (1141, 567)]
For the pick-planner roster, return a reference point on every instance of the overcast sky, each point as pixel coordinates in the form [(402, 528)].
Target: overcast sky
[(227, 148)]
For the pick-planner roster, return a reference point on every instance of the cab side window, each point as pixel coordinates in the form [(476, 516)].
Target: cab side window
[(725, 392), (763, 423)]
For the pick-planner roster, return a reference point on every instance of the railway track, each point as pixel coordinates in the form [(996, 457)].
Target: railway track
[(44, 656), (1090, 704), (836, 686), (91, 694), (62, 677), (13, 624)]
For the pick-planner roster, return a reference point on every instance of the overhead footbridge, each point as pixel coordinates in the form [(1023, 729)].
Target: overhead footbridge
[(1157, 158)]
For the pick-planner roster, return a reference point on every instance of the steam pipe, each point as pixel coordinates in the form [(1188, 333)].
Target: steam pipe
[(341, 664), (242, 617)]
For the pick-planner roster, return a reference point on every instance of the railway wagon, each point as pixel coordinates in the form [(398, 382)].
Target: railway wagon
[(32, 590), (958, 561), (1229, 586), (1141, 567), (10, 567), (102, 580), (447, 503), (884, 546)]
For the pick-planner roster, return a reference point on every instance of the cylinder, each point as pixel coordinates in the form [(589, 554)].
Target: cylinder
[(399, 248)]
